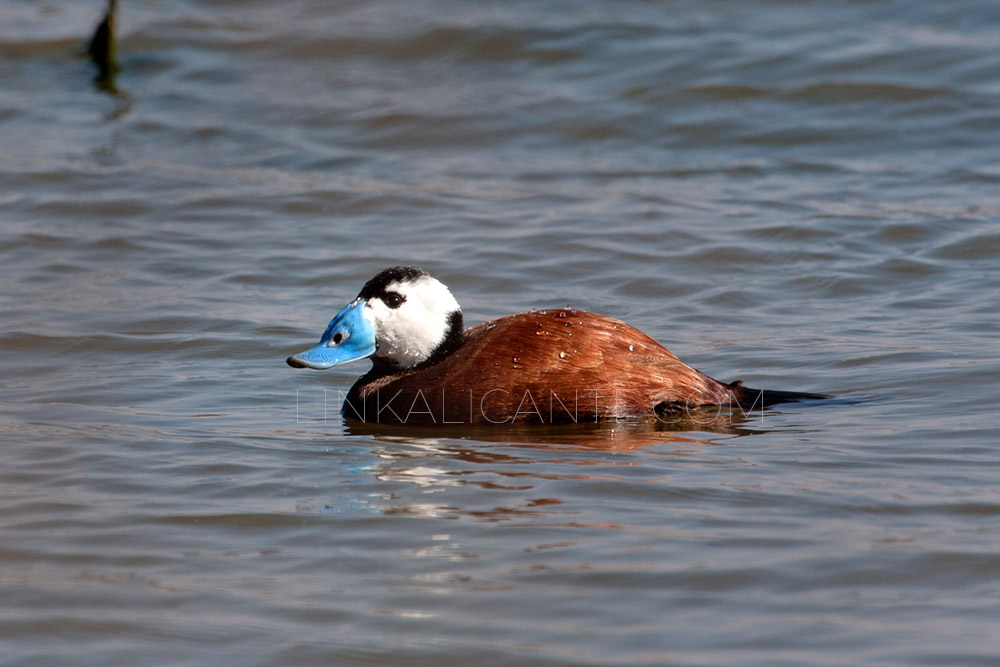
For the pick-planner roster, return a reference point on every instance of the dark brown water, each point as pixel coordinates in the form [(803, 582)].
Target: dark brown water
[(804, 195)]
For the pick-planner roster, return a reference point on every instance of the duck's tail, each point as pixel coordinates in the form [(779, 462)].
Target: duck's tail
[(750, 398)]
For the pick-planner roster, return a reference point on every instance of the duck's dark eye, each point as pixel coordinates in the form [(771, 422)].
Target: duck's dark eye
[(337, 337), (393, 299)]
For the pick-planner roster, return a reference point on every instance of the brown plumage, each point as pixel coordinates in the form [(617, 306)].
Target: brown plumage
[(552, 366)]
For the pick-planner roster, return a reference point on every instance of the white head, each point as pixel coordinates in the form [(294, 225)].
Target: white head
[(413, 315), (401, 318)]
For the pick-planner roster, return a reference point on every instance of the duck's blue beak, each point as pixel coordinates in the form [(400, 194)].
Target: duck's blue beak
[(349, 337)]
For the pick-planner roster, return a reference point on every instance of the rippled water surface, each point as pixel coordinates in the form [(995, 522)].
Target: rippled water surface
[(804, 195)]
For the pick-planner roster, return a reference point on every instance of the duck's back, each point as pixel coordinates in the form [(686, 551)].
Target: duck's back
[(549, 366)]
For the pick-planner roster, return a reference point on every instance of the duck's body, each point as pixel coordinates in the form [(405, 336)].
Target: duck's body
[(548, 366), (539, 367)]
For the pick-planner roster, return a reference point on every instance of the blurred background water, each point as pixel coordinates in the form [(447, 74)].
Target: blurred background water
[(802, 194)]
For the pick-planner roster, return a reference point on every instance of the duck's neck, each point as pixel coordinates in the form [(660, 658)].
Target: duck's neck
[(452, 341)]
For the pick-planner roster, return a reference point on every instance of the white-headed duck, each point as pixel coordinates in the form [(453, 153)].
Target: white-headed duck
[(543, 366)]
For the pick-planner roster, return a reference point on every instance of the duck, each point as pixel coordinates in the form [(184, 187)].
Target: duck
[(551, 366)]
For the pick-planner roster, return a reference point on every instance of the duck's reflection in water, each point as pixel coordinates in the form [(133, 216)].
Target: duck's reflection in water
[(690, 426), (529, 465)]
